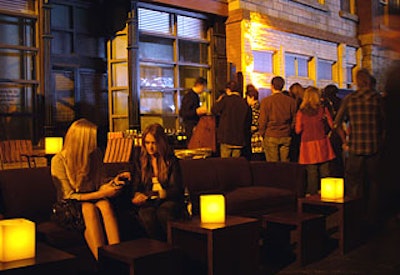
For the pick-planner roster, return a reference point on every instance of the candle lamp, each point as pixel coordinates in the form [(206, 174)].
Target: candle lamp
[(53, 145), (17, 239), (212, 209), (332, 188)]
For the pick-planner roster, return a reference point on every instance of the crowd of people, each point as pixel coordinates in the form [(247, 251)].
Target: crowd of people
[(330, 136)]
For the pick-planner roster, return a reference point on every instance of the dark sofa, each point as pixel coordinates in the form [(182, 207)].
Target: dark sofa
[(251, 188), (30, 193)]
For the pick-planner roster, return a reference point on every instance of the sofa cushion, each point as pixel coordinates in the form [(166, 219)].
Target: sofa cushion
[(232, 172), (199, 175), (257, 200), (27, 193), (287, 175)]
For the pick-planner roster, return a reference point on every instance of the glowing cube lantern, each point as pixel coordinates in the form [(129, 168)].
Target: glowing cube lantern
[(212, 209), (17, 239), (53, 145), (332, 188)]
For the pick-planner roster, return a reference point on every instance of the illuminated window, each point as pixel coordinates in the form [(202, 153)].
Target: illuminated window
[(296, 65), (263, 61), (173, 52), (325, 69)]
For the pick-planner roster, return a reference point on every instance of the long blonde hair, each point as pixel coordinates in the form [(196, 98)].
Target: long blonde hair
[(311, 101), (164, 153), (80, 142)]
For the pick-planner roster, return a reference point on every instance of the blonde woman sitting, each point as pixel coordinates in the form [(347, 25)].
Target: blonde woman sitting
[(77, 174)]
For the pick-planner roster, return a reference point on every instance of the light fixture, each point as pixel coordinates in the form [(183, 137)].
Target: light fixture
[(332, 188), (53, 145), (212, 209), (17, 239)]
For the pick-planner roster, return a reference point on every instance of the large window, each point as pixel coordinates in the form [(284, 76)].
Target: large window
[(296, 65), (18, 77), (263, 61), (325, 69), (173, 52), (78, 66)]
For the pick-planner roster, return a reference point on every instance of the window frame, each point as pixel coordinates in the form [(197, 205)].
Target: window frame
[(296, 64)]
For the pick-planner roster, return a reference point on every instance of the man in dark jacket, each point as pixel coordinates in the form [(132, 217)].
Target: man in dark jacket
[(191, 110), (234, 121)]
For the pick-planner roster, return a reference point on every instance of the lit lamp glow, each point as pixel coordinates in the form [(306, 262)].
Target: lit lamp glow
[(212, 209), (332, 188), (53, 145), (17, 239)]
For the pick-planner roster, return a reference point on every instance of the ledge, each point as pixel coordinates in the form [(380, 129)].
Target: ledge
[(349, 16)]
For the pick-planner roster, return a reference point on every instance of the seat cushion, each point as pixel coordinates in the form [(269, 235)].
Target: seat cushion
[(258, 200)]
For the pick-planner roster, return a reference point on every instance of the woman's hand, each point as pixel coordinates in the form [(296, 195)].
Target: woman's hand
[(139, 198), (109, 189)]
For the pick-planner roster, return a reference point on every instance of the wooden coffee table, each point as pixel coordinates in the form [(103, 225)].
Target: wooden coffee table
[(309, 232), (48, 260), (230, 248), (348, 217)]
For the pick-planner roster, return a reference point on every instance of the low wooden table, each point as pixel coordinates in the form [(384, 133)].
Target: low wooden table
[(230, 248), (140, 257), (348, 217), (48, 260), (309, 232)]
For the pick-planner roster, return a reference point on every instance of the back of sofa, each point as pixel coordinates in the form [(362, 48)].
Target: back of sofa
[(27, 193), (286, 175)]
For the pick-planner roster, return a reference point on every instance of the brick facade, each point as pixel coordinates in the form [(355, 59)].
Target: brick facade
[(300, 27)]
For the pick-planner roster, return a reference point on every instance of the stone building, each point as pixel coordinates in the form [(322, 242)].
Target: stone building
[(126, 63)]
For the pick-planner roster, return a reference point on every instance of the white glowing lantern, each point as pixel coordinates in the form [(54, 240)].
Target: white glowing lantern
[(17, 239), (53, 145), (332, 188), (212, 209)]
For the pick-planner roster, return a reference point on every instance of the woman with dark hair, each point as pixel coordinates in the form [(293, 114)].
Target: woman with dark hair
[(332, 102), (158, 190), (254, 103)]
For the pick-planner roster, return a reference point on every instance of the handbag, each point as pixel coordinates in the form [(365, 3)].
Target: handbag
[(68, 214)]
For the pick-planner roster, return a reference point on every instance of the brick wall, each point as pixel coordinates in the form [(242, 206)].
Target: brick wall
[(290, 27)]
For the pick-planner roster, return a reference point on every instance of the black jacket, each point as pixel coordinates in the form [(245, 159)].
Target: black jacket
[(234, 120)]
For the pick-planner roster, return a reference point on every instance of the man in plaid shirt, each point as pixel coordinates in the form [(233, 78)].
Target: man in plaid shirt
[(362, 112)]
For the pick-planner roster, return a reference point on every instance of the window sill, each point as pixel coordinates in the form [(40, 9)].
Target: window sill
[(349, 16), (313, 4)]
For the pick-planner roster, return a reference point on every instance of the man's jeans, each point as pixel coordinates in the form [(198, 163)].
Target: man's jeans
[(229, 151), (277, 149)]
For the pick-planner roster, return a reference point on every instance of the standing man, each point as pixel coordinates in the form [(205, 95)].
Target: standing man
[(363, 112), (191, 110), (233, 130), (276, 122)]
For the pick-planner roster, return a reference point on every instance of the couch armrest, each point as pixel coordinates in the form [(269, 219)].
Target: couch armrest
[(287, 175)]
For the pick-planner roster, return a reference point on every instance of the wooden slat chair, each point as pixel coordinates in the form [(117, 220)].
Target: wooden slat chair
[(119, 149), (13, 154)]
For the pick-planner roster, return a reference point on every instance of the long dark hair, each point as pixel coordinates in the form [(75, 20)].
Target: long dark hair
[(164, 154)]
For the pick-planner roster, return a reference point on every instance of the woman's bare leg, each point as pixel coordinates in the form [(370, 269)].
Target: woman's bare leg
[(109, 220), (94, 233)]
